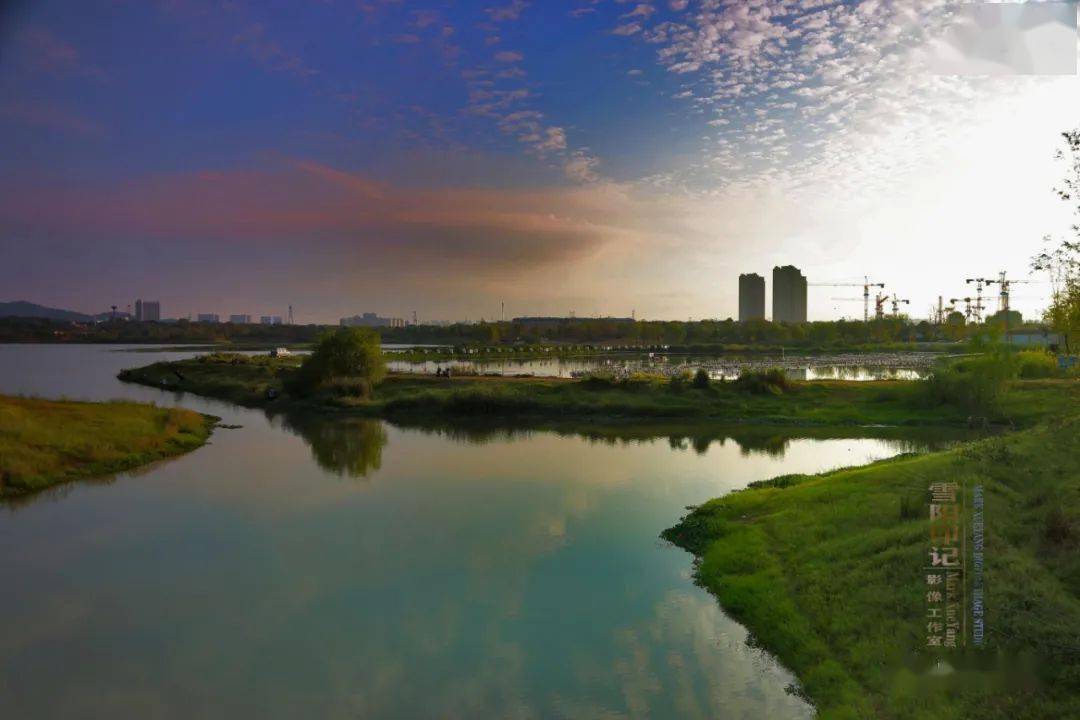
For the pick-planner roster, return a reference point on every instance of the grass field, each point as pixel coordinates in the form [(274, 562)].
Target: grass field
[(826, 572), (47, 442)]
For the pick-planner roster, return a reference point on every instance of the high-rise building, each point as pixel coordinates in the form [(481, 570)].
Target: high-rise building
[(751, 297), (788, 295), (270, 320), (208, 317), (240, 319), (148, 311)]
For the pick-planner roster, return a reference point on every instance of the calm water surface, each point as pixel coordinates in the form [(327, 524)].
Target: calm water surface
[(353, 569)]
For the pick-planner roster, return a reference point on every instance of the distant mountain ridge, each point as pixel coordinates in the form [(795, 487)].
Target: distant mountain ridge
[(22, 308)]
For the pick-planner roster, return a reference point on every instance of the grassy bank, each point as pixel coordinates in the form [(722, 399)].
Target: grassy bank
[(47, 442), (826, 572), (252, 380)]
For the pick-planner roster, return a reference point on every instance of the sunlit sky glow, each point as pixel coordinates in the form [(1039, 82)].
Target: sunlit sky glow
[(594, 156)]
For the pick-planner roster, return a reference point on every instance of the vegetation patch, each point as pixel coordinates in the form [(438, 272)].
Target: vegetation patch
[(47, 442), (826, 572)]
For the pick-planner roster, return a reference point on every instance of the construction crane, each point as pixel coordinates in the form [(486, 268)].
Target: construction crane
[(978, 307), (1004, 283), (865, 285), (879, 305), (968, 307), (896, 301)]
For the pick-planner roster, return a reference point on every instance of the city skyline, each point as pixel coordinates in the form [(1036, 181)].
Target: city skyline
[(446, 158)]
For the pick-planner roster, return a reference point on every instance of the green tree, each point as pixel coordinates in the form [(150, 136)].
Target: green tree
[(1063, 262), (346, 352)]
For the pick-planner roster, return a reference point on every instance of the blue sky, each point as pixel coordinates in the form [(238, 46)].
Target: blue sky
[(446, 156)]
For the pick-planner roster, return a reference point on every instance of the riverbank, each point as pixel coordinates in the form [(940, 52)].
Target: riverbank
[(827, 573), (261, 381), (49, 442)]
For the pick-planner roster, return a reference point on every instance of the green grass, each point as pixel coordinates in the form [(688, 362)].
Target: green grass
[(246, 381), (47, 442), (825, 572)]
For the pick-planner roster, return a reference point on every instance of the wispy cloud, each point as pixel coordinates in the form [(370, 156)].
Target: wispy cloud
[(507, 13), (41, 49)]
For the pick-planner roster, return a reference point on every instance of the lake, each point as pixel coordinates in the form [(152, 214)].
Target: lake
[(299, 567)]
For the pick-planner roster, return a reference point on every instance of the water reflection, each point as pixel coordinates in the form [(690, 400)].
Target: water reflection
[(346, 446), (353, 447)]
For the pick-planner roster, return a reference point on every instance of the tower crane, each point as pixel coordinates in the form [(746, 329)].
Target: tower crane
[(1004, 283), (968, 309), (896, 301), (978, 307), (865, 285), (879, 306)]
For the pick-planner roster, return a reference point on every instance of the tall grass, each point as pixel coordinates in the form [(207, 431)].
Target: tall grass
[(976, 384)]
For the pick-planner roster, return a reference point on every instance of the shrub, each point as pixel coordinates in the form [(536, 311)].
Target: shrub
[(976, 384), (763, 382), (354, 387), (678, 382), (1036, 364), (596, 381), (701, 379)]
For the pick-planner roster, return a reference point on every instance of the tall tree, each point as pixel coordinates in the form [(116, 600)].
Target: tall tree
[(1063, 262)]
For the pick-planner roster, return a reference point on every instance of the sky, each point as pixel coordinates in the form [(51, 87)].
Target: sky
[(601, 157)]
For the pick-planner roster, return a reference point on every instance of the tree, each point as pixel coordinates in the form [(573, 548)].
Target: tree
[(1063, 262), (346, 352)]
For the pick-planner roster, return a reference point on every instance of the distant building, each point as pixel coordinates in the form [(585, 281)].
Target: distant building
[(208, 317), (1034, 338), (147, 311), (240, 319), (751, 297), (788, 295), (370, 319), (559, 320), (270, 320)]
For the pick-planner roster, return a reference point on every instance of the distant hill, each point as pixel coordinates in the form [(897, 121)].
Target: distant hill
[(21, 308)]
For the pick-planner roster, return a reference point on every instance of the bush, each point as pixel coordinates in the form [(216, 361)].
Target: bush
[(353, 387), (763, 382), (678, 382), (701, 379), (976, 384), (1036, 364)]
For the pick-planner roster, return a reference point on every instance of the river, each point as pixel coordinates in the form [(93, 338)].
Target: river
[(298, 567)]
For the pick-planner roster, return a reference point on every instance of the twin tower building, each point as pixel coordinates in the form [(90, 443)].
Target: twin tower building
[(788, 296)]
